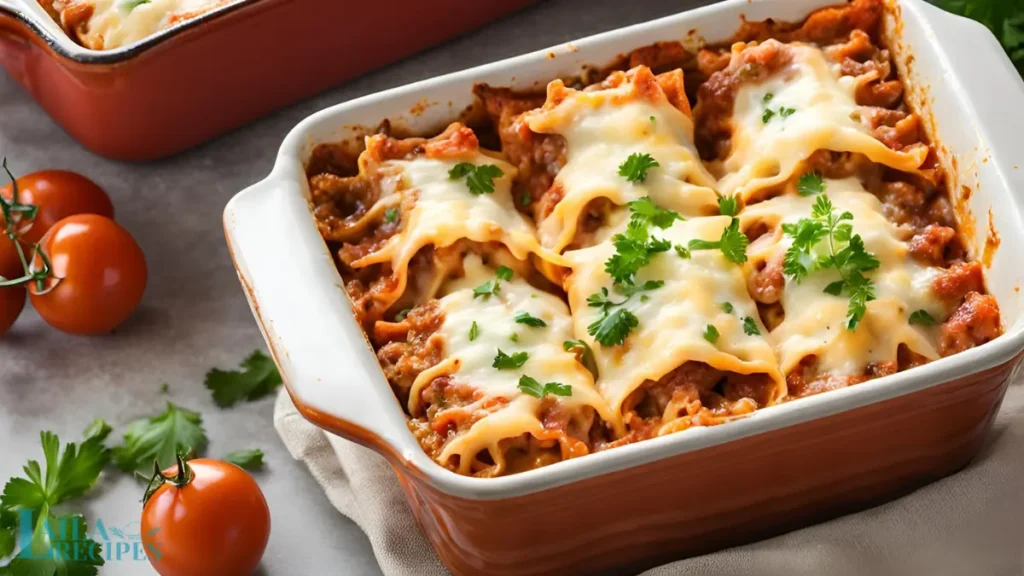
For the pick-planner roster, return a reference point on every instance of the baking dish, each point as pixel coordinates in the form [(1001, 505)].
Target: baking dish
[(640, 505), (194, 81)]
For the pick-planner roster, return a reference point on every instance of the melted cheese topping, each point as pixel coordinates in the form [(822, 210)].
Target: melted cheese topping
[(673, 319), (470, 362), (825, 117), (602, 129), (442, 211), (815, 321), (116, 23)]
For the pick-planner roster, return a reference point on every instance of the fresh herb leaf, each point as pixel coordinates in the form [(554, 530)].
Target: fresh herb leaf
[(635, 168), (391, 214), (525, 199), (526, 318), (603, 300), (767, 116), (504, 273), (634, 247), (479, 179), (257, 378), (402, 314), (628, 290), (728, 206), (732, 243), (165, 388), (750, 327), (767, 97), (810, 184), (489, 288), (786, 112), (711, 333), (67, 475), (248, 459), (130, 5), (923, 318), (474, 331), (513, 337), (505, 362), (647, 211), (652, 118), (612, 328), (531, 387), (583, 353), (160, 438), (727, 306), (1003, 17), (682, 252)]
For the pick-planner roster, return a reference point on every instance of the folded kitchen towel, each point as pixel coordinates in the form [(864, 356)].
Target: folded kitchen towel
[(971, 523)]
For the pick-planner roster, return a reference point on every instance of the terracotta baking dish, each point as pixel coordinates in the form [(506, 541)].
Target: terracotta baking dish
[(197, 80), (705, 488)]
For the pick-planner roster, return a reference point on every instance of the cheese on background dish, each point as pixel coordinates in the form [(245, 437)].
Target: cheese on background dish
[(815, 321), (673, 318), (800, 109), (469, 356), (109, 24), (603, 128)]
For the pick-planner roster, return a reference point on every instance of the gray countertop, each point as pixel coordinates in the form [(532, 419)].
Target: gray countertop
[(194, 315)]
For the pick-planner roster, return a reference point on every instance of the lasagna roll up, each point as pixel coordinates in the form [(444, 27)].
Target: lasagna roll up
[(415, 209), (630, 115), (695, 352), (501, 393)]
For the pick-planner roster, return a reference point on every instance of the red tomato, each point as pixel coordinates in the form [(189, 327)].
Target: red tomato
[(10, 264), (12, 302), (217, 524), (101, 272), (58, 194)]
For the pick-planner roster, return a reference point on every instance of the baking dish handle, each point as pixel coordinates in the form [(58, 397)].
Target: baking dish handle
[(297, 297)]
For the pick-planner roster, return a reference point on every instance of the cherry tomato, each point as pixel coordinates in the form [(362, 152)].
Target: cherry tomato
[(216, 524), (101, 272), (10, 264), (58, 194), (12, 302)]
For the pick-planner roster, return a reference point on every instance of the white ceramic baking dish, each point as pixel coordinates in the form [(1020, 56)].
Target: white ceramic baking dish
[(958, 76)]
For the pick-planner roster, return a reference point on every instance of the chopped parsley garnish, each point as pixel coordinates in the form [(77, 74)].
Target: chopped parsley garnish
[(586, 354), (479, 179), (732, 243), (845, 254), (525, 199), (612, 328), (635, 168), (505, 362), (402, 314), (526, 318), (783, 112), (160, 438), (711, 333), (682, 251), (634, 247), (767, 116), (391, 215), (257, 378), (531, 387), (492, 287), (474, 331), (768, 97), (810, 184), (646, 211), (513, 337), (652, 118), (727, 306), (628, 290), (786, 112), (923, 318), (248, 459), (750, 327), (728, 206)]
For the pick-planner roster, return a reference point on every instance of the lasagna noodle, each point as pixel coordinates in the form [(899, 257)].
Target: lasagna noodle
[(630, 113), (109, 24), (815, 322), (767, 150), (674, 317), (438, 210), (509, 413)]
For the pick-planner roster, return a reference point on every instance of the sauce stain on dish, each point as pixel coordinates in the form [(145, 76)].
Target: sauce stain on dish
[(992, 242)]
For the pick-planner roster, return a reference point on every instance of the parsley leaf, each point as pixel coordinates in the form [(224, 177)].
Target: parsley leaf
[(584, 354), (635, 168), (505, 362), (492, 287), (525, 199), (634, 247), (628, 290), (257, 378), (160, 438), (767, 116), (531, 387), (727, 306), (810, 184), (474, 331), (479, 179), (248, 459), (391, 214), (612, 328), (647, 211), (786, 112), (402, 314), (711, 333), (732, 243), (503, 273), (767, 97), (682, 252), (68, 475), (750, 327), (513, 337), (526, 318), (923, 318), (130, 5), (728, 206)]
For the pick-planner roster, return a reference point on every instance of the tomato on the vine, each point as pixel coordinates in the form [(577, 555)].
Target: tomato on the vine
[(206, 518), (97, 278), (10, 263), (57, 194), (12, 302)]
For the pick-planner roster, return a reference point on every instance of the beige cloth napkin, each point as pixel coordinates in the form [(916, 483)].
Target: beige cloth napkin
[(971, 523)]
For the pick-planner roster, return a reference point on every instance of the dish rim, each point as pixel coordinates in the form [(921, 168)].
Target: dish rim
[(995, 353)]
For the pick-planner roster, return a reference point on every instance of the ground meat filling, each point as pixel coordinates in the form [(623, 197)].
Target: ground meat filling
[(974, 323), (406, 348)]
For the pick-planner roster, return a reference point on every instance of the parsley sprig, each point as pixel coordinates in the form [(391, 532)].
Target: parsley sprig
[(505, 361), (732, 243), (584, 353), (257, 378), (844, 252), (635, 167), (160, 438), (532, 387), (492, 287), (529, 320), (479, 179)]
